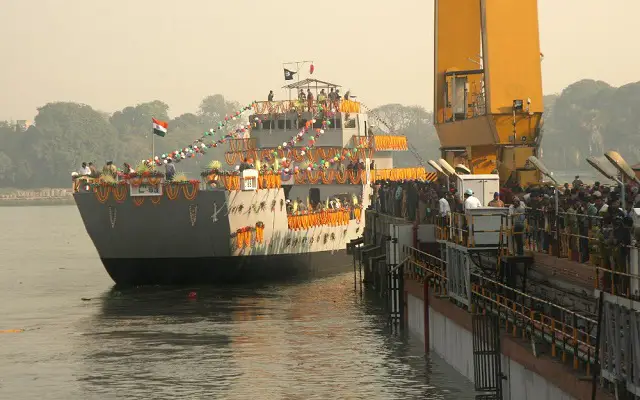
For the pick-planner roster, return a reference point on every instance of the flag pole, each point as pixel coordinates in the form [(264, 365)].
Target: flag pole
[(153, 150)]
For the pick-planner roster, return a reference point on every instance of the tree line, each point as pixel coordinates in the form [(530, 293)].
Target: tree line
[(587, 118)]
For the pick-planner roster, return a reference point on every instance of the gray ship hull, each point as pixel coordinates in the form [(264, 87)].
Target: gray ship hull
[(226, 270), (192, 239)]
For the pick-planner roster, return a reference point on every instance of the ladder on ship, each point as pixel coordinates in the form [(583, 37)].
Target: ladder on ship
[(415, 153)]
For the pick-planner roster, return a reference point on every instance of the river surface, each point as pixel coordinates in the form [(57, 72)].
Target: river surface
[(82, 339)]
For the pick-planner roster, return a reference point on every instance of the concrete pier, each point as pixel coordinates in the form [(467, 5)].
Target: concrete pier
[(437, 291)]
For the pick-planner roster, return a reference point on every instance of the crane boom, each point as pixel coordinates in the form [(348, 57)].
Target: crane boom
[(488, 85)]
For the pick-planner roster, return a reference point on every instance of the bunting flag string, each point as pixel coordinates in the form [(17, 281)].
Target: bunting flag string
[(324, 162), (199, 145)]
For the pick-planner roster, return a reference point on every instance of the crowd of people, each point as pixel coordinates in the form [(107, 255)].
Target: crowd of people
[(591, 225), (332, 98), (89, 170)]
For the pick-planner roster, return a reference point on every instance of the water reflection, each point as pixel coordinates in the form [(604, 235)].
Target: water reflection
[(298, 341)]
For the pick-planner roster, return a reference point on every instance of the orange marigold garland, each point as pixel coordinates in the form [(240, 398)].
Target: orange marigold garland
[(138, 201), (259, 232), (172, 191), (190, 195), (102, 192), (120, 192)]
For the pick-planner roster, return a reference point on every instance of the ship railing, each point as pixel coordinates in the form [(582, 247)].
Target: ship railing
[(571, 335), (381, 142), (287, 106), (297, 154), (243, 144), (82, 183), (232, 181)]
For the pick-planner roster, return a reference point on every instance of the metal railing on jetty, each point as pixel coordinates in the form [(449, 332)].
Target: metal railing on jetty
[(602, 340), (570, 335)]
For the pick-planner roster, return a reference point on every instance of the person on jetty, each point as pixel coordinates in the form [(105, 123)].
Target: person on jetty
[(471, 201), (517, 210), (496, 202), (170, 170)]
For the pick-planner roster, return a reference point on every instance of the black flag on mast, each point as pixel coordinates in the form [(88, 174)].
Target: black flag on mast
[(288, 75)]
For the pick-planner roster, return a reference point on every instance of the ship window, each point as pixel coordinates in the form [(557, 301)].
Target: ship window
[(268, 124), (350, 123), (288, 124), (301, 122), (281, 124), (318, 124)]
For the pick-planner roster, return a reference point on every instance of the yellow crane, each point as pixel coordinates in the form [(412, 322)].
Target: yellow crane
[(488, 86)]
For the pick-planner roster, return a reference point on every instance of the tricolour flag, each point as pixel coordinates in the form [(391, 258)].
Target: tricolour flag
[(159, 127)]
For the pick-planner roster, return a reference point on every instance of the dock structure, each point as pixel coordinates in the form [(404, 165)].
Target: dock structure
[(536, 325)]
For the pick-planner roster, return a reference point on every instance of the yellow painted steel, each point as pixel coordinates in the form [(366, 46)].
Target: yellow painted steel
[(485, 132), (511, 49), (456, 39)]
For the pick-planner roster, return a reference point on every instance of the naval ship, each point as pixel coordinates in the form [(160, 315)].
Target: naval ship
[(254, 224)]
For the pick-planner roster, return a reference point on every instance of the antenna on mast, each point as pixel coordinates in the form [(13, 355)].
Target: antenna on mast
[(298, 65)]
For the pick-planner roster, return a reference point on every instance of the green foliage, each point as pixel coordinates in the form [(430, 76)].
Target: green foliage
[(180, 177), (66, 134), (142, 167), (587, 118), (214, 164)]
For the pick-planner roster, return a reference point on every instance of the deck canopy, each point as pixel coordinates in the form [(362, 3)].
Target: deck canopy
[(311, 83)]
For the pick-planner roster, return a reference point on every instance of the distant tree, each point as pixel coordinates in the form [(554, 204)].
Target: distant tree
[(71, 133), (415, 123), (6, 168), (214, 108)]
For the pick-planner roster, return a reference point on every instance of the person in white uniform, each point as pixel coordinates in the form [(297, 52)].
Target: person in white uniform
[(470, 201)]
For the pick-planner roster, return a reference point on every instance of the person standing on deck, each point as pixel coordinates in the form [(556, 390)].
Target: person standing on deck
[(84, 170), (170, 170), (309, 100), (110, 169), (270, 97), (94, 171)]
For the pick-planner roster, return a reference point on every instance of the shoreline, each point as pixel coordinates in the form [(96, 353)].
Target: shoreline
[(10, 197), (43, 201)]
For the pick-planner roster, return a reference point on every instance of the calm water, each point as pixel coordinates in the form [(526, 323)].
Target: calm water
[(84, 340)]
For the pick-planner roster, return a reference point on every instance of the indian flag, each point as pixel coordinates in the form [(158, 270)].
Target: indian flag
[(159, 127)]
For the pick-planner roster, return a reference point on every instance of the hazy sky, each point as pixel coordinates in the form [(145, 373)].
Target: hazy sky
[(115, 53)]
